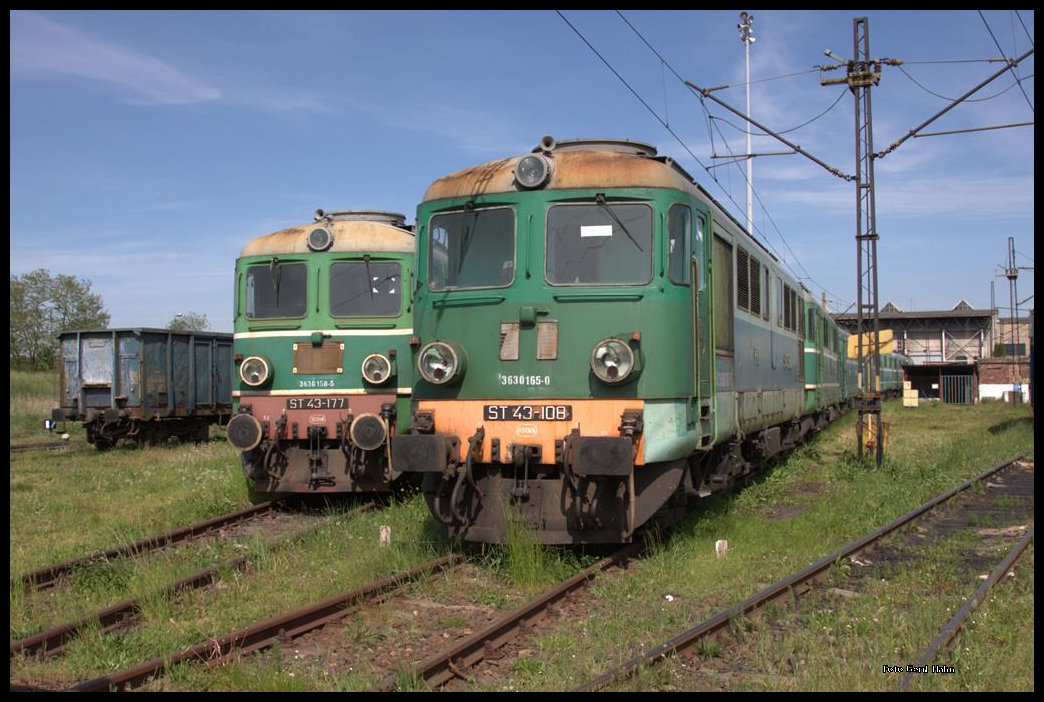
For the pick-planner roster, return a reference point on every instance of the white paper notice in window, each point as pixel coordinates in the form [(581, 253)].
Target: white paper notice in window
[(596, 230)]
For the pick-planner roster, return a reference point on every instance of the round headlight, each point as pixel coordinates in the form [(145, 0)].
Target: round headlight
[(532, 171), (320, 239), (376, 369), (438, 363), (255, 371), (612, 360)]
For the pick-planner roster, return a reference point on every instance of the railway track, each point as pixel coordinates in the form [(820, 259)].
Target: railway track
[(459, 657), (50, 575), (798, 582), (435, 670), (265, 634), (950, 629), (48, 446), (455, 660), (126, 613)]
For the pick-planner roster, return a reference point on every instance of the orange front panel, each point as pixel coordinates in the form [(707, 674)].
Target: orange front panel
[(462, 418)]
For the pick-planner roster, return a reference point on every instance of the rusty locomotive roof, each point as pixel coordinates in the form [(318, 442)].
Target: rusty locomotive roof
[(349, 236), (579, 166)]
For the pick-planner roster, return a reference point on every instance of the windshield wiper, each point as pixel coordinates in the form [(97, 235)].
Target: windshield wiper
[(600, 199), (369, 277), (273, 274)]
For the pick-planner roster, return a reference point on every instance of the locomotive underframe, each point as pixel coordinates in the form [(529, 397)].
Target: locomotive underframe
[(550, 507), (312, 451), (593, 492), (294, 467)]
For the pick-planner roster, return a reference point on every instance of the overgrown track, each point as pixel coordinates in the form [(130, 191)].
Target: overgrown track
[(689, 637), (949, 631), (455, 660), (263, 634), (124, 614), (48, 576)]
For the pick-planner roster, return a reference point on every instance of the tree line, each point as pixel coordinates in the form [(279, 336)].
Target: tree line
[(44, 305)]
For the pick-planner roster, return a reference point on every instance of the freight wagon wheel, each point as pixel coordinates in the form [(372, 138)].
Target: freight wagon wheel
[(100, 442), (103, 444)]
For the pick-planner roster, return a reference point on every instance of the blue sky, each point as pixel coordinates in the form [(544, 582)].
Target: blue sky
[(148, 147)]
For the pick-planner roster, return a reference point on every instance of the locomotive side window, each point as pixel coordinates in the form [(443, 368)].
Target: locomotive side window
[(599, 244), (781, 303), (472, 249), (365, 289), (721, 258), (755, 286), (276, 290), (767, 294), (679, 261), (789, 306), (697, 249)]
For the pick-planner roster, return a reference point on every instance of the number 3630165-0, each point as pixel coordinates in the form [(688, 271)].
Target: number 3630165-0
[(541, 380)]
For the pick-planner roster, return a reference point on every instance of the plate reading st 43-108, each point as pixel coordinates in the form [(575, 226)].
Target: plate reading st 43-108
[(528, 413)]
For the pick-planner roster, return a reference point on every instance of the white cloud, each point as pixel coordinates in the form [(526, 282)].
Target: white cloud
[(41, 45), (475, 131), (969, 197)]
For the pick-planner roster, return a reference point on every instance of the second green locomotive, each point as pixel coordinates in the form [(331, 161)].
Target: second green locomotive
[(322, 328)]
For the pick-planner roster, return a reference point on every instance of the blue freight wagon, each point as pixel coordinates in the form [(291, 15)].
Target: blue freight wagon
[(147, 385)]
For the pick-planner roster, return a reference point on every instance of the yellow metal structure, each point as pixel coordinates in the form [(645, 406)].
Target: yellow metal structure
[(870, 437), (886, 345)]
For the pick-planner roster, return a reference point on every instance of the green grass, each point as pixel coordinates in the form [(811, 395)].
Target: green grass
[(834, 643), (526, 564), (33, 396), (88, 501), (79, 501)]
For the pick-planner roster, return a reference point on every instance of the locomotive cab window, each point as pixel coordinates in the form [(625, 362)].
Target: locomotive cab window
[(472, 249), (365, 289), (679, 261), (601, 244), (276, 290)]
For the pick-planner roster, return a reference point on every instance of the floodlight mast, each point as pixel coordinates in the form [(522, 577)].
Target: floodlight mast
[(747, 37)]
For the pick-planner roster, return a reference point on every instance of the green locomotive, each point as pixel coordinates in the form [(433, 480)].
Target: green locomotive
[(597, 341), (323, 321)]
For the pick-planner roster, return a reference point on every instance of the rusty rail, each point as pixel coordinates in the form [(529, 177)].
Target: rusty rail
[(19, 448), (118, 616), (48, 576), (263, 634), (126, 613), (719, 621), (955, 624), (449, 663)]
